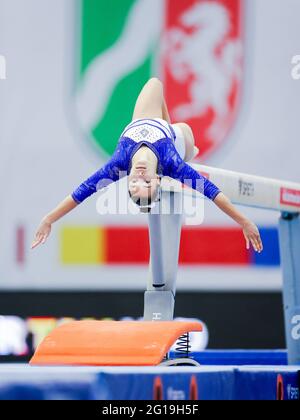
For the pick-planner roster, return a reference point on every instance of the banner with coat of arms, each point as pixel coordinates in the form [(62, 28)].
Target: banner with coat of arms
[(73, 72), (194, 46)]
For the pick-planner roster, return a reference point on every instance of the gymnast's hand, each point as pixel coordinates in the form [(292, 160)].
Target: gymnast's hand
[(250, 230), (251, 234), (44, 229), (42, 233)]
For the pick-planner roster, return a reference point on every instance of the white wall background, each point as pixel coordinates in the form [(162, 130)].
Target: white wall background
[(42, 157)]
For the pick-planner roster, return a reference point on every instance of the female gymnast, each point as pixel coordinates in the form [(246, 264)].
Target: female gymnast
[(151, 147)]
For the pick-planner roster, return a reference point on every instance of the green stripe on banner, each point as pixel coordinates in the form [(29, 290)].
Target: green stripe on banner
[(120, 108), (103, 23)]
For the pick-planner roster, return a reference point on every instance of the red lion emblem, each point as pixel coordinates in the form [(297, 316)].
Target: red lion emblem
[(203, 51)]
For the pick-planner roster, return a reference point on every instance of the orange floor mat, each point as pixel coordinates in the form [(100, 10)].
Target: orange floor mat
[(111, 343)]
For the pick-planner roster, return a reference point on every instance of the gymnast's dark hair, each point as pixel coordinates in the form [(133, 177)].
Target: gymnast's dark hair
[(145, 204)]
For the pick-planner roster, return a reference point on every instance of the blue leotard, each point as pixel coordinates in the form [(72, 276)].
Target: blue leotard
[(160, 137)]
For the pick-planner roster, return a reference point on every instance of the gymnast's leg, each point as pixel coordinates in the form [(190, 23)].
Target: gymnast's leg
[(186, 136), (151, 102)]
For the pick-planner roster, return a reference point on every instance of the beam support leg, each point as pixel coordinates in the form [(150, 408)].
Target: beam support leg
[(289, 232), (164, 236)]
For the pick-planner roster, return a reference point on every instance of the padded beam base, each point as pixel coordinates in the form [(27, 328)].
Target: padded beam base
[(111, 343)]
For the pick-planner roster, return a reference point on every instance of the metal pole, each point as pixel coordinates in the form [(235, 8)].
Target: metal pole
[(289, 231), (164, 237)]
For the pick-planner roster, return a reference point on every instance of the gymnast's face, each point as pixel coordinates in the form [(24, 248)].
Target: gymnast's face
[(143, 182)]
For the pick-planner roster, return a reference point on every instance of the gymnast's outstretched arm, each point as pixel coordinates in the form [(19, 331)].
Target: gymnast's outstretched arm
[(44, 228), (250, 230), (178, 169), (113, 170)]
